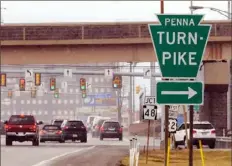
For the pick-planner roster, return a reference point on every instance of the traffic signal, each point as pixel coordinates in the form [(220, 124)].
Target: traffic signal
[(10, 93), (82, 84), (33, 92), (138, 88), (56, 93), (52, 84), (84, 94), (117, 81), (3, 79), (37, 79), (22, 84)]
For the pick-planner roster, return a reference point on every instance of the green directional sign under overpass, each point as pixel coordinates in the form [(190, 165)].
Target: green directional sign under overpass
[(184, 93), (179, 42)]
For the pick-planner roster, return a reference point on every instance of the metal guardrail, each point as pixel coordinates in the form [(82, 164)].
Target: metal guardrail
[(74, 31), (224, 139)]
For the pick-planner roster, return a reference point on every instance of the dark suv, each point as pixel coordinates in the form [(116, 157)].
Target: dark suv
[(74, 130), (111, 129), (22, 128)]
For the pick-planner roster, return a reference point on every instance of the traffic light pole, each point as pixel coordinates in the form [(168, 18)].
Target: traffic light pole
[(78, 72)]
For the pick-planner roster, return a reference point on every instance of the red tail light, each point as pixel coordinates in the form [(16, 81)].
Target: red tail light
[(213, 132), (33, 127), (97, 127), (120, 130), (59, 132), (102, 129), (83, 127), (7, 127), (194, 131)]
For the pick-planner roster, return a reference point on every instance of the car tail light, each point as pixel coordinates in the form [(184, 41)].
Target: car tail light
[(194, 131), (102, 129), (7, 127), (59, 132), (120, 129), (83, 127), (213, 132), (33, 127), (97, 127)]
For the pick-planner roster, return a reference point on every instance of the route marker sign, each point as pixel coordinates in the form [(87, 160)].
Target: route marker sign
[(183, 93), (179, 42), (150, 112)]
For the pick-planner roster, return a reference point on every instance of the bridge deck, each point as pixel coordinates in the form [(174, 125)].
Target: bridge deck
[(134, 32)]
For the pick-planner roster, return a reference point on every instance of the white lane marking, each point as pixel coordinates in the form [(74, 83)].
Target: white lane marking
[(62, 155)]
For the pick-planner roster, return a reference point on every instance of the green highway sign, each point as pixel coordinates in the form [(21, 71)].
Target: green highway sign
[(179, 42), (184, 93)]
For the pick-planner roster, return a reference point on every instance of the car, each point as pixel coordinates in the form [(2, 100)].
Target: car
[(96, 128), (90, 120), (51, 133), (111, 129), (22, 128), (74, 130), (57, 122), (202, 130)]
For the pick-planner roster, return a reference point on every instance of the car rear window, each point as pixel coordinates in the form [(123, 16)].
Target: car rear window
[(111, 125), (75, 123), (18, 119), (58, 123), (51, 128), (202, 126)]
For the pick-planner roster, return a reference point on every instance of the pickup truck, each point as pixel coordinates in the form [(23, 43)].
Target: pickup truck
[(21, 128)]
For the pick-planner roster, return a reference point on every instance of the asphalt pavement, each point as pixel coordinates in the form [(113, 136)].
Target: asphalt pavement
[(24, 154)]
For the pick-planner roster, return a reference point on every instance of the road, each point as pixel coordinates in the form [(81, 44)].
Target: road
[(26, 155), (68, 154)]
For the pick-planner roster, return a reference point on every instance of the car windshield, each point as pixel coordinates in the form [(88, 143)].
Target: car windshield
[(111, 125), (58, 123), (75, 123), (17, 119), (53, 127), (202, 126)]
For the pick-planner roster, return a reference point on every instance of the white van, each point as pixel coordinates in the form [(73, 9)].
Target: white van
[(90, 120)]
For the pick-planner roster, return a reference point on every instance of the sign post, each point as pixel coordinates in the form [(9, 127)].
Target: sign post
[(149, 113), (179, 42)]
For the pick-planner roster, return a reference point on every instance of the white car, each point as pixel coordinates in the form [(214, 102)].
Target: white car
[(202, 130)]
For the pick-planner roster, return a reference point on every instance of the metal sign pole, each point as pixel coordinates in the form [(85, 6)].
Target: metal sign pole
[(191, 137)]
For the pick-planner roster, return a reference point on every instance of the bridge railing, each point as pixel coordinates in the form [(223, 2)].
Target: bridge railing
[(67, 31)]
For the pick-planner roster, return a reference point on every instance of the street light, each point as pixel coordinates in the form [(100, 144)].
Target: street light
[(222, 12)]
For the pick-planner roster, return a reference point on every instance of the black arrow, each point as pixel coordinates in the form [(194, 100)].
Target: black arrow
[(67, 72), (147, 72), (108, 72), (28, 71)]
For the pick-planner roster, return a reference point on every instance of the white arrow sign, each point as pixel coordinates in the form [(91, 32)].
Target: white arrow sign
[(190, 93), (147, 73), (68, 72), (109, 73)]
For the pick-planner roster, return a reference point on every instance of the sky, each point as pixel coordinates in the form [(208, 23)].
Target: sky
[(92, 11), (102, 11)]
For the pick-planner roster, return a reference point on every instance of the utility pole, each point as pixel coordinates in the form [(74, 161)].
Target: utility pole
[(130, 97)]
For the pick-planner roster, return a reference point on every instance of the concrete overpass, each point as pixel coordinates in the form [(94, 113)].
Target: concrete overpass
[(73, 43)]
